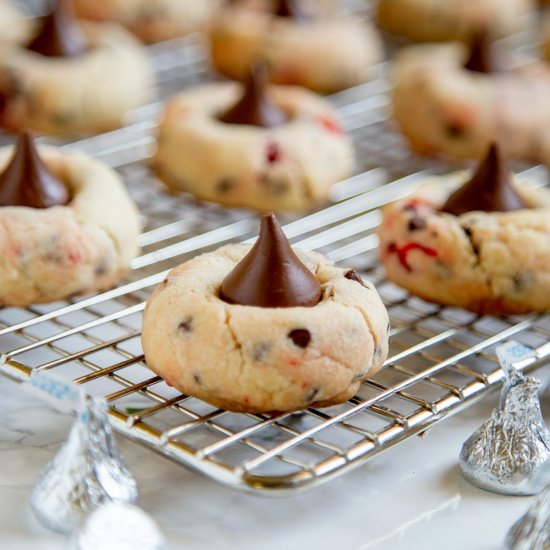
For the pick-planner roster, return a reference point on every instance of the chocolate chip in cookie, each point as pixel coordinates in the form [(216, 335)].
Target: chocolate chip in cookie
[(417, 223), (300, 337), (225, 185), (261, 350), (352, 275), (186, 325)]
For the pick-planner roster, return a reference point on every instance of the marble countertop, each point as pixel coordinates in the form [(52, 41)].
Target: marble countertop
[(411, 497)]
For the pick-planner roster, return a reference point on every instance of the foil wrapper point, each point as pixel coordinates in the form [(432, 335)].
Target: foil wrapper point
[(118, 526), (86, 473), (508, 453), (532, 531)]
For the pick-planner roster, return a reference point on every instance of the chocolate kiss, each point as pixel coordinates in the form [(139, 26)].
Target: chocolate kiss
[(489, 189), (481, 58), (59, 35), (254, 107), (292, 8), (271, 275), (27, 182)]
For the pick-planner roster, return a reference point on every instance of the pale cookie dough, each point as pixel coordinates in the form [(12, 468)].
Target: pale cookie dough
[(289, 167), (254, 359), (90, 93), (151, 20), (442, 20), (496, 262), (545, 26), (14, 26), (325, 55), (87, 245), (443, 108)]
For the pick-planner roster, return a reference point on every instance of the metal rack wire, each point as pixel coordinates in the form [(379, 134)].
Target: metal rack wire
[(441, 359)]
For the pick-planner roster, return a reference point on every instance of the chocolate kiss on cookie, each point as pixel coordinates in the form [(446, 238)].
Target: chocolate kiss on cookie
[(271, 275), (27, 182), (482, 57), (59, 34), (292, 8), (489, 189), (255, 108)]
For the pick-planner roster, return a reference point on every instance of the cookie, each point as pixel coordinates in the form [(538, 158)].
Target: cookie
[(15, 27), (289, 166), (260, 358), (442, 20), (488, 262), (325, 54), (88, 86), (79, 237), (443, 107), (151, 20)]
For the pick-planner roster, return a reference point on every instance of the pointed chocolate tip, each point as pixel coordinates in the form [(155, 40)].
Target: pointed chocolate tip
[(271, 275), (292, 8), (59, 34), (481, 58), (488, 190), (27, 182), (254, 108)]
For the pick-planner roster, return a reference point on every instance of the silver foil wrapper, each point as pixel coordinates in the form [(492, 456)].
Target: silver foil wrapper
[(507, 454), (118, 526), (532, 531), (86, 473)]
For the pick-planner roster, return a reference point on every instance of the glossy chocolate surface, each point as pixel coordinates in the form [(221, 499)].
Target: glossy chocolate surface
[(59, 34), (27, 182), (255, 108), (271, 275), (482, 57), (297, 9), (488, 190)]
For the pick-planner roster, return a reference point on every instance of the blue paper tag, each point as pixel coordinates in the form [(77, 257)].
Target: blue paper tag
[(513, 352), (64, 395)]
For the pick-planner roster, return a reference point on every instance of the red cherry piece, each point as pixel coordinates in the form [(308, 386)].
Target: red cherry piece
[(331, 125), (403, 252), (273, 153)]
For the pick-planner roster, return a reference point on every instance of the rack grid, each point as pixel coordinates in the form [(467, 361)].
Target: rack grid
[(441, 359)]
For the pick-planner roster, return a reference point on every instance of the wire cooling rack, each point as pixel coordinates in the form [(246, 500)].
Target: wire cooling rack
[(441, 359)]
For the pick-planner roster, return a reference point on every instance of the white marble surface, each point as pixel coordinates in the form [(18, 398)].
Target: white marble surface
[(412, 497)]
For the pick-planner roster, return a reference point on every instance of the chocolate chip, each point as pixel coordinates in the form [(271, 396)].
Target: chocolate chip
[(101, 268), (312, 394), (261, 350), (454, 130), (417, 223), (197, 378), (522, 280), (469, 234), (300, 337), (352, 275), (275, 185), (186, 325), (225, 185)]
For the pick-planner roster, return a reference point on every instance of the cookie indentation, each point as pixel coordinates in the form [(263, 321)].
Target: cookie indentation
[(312, 393), (417, 223), (186, 325), (300, 337)]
